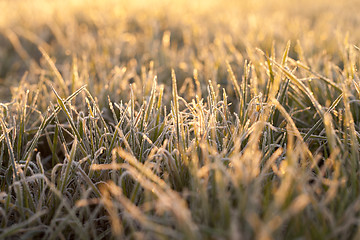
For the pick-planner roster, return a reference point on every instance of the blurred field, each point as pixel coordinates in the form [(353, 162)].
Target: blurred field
[(179, 119)]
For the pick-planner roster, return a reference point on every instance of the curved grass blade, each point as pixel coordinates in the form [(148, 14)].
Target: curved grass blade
[(10, 149), (55, 70)]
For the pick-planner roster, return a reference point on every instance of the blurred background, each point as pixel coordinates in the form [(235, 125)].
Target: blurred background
[(107, 37)]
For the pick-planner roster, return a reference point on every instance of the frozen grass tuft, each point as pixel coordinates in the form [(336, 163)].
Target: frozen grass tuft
[(186, 121)]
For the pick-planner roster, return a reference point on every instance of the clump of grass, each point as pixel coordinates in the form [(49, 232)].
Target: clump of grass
[(144, 124)]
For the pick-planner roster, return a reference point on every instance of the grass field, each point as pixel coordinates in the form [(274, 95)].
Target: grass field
[(179, 119)]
